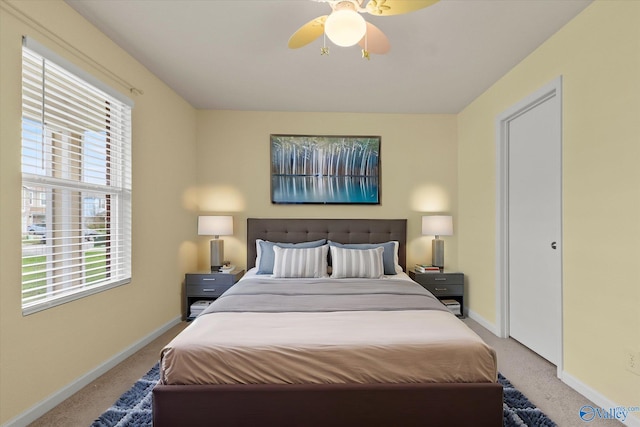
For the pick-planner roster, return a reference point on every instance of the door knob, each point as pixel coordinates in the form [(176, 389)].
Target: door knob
[(554, 245)]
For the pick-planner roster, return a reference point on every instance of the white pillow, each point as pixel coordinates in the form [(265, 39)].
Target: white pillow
[(300, 262), (365, 263)]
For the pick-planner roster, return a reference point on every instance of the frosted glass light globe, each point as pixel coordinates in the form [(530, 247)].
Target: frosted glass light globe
[(345, 27)]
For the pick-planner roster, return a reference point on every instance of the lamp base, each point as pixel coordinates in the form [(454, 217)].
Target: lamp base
[(437, 253), (217, 254)]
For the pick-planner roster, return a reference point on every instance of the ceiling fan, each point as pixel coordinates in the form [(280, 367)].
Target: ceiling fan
[(345, 26)]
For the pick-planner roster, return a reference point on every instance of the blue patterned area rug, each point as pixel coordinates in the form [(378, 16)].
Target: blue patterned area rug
[(518, 410), (133, 408)]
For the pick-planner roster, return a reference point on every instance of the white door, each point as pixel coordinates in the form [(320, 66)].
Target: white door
[(535, 226)]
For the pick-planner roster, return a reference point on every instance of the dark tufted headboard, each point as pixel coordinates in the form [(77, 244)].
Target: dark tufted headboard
[(289, 230)]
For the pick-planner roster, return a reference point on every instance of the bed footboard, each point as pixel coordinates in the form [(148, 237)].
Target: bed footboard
[(407, 405)]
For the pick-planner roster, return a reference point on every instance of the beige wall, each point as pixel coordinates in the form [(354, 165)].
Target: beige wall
[(418, 161), (598, 56), (44, 352)]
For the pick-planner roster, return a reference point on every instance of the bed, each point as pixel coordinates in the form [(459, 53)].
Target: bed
[(327, 352)]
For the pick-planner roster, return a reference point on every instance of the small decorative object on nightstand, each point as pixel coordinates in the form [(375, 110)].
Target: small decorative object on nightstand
[(447, 287), (204, 287)]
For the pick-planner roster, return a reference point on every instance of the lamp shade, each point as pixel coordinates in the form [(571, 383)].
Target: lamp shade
[(215, 225), (345, 27), (437, 225)]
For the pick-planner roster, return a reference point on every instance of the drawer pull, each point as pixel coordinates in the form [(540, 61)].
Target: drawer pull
[(209, 290), (440, 289), (209, 279), (440, 278)]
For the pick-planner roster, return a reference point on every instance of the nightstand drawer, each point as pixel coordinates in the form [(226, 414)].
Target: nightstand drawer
[(210, 284), (204, 279), (212, 290), (440, 279), (444, 289)]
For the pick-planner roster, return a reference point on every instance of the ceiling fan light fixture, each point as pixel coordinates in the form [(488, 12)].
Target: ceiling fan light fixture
[(345, 27)]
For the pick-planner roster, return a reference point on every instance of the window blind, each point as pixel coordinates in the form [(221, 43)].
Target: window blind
[(76, 184)]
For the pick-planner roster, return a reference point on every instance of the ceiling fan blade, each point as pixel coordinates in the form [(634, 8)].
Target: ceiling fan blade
[(376, 41), (307, 33), (396, 7)]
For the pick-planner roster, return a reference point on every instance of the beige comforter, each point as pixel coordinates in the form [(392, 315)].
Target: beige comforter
[(364, 346)]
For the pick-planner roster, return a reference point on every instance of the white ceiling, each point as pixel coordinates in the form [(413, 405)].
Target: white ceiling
[(233, 54)]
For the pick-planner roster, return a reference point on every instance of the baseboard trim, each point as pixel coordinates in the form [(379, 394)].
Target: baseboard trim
[(632, 420), (64, 393), (483, 322)]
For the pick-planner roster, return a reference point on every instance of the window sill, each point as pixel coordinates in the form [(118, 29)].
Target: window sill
[(50, 303)]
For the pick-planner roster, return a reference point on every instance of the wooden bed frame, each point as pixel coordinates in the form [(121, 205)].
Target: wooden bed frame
[(334, 405)]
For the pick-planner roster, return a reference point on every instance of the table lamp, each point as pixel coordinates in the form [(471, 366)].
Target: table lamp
[(216, 226), (437, 225)]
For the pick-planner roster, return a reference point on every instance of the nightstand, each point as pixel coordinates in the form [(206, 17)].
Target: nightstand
[(207, 286), (443, 285)]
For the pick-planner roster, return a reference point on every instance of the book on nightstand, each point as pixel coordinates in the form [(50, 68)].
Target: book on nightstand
[(198, 307), (423, 268), (452, 305)]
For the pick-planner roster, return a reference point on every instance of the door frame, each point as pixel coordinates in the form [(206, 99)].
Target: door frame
[(550, 90)]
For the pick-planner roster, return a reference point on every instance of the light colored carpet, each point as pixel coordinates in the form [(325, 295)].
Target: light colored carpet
[(536, 378), (528, 372), (86, 405)]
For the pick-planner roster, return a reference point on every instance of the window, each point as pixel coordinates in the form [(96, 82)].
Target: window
[(76, 182)]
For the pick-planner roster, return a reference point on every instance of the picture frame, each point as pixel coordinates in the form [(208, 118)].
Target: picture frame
[(325, 169)]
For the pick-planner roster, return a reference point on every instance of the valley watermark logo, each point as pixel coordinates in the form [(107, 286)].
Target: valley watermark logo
[(588, 413)]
